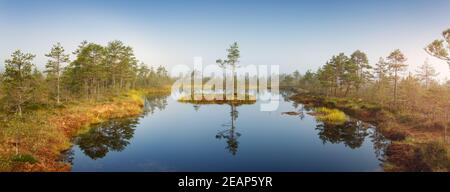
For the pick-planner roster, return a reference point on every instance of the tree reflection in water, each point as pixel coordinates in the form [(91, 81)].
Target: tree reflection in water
[(196, 107), (380, 144), (286, 94), (112, 135), (115, 135), (154, 102), (352, 133), (230, 134)]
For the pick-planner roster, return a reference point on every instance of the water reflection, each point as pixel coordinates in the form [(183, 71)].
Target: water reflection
[(286, 94), (197, 107), (380, 143), (112, 135), (115, 135), (154, 102), (351, 133), (230, 134)]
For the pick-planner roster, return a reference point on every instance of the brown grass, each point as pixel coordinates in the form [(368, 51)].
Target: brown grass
[(46, 133), (409, 138)]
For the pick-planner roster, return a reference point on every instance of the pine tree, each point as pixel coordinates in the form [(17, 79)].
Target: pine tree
[(121, 64), (54, 67), (18, 79), (232, 61), (396, 64), (359, 58), (143, 73), (88, 69), (382, 80), (440, 48), (426, 73), (327, 79), (381, 69), (339, 74)]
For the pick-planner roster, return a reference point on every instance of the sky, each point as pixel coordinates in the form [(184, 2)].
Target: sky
[(297, 35)]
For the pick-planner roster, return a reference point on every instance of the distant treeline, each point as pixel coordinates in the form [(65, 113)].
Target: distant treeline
[(97, 71)]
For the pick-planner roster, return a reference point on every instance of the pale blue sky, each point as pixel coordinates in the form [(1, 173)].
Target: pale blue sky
[(297, 35)]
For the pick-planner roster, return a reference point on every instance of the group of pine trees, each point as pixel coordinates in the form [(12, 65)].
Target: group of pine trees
[(385, 83), (97, 71), (343, 75)]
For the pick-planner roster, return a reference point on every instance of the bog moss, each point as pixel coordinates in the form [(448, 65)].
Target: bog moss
[(333, 116)]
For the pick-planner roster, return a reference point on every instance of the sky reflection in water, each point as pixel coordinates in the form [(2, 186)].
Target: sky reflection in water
[(173, 136)]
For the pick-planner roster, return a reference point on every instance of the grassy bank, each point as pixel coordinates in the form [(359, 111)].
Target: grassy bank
[(333, 116), (35, 141), (417, 143)]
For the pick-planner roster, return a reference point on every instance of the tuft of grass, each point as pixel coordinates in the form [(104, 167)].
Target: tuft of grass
[(333, 116), (24, 158), (135, 95)]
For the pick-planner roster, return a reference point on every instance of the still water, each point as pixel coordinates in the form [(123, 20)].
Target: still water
[(172, 136)]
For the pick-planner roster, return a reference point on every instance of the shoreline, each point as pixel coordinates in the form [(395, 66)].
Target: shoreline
[(56, 128), (41, 150), (410, 146)]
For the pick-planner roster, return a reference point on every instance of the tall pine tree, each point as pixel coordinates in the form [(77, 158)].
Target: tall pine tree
[(54, 67)]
